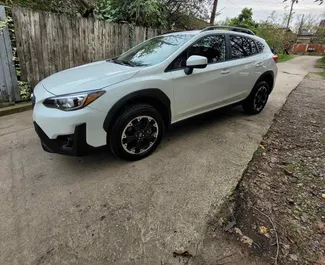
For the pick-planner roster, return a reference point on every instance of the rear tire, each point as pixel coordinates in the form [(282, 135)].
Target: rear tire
[(257, 99), (136, 133)]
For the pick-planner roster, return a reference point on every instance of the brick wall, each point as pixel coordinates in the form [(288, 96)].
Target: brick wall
[(308, 48)]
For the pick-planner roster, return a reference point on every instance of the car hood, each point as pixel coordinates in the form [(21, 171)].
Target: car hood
[(88, 77)]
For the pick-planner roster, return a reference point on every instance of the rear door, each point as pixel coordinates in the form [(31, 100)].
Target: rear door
[(246, 67)]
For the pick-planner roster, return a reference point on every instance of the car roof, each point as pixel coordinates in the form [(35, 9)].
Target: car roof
[(213, 31), (189, 32)]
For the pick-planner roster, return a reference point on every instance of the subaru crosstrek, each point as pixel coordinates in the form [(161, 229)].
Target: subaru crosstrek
[(127, 102)]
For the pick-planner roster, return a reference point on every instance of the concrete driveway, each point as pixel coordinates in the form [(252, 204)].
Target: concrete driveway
[(100, 210)]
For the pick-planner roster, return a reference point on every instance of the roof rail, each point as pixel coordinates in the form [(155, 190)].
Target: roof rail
[(237, 29)]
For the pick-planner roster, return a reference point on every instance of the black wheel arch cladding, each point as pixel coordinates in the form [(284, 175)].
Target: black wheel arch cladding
[(268, 77), (152, 96)]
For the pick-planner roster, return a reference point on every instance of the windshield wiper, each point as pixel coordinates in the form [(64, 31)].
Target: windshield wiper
[(122, 62)]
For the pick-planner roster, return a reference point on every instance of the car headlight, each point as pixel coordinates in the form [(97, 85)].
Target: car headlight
[(73, 101)]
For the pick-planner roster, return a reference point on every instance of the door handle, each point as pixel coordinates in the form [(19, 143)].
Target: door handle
[(259, 64), (225, 71)]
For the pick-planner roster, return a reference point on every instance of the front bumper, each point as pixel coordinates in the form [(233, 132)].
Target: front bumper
[(56, 123), (73, 145)]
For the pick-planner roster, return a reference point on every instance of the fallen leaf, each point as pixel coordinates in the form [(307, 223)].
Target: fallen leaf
[(262, 147), (294, 257), (262, 229), (243, 239), (247, 240), (313, 121), (238, 231)]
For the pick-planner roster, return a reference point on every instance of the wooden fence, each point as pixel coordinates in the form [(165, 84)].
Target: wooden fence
[(48, 42), (8, 79)]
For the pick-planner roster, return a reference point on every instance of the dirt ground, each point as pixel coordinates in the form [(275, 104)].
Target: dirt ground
[(278, 209)]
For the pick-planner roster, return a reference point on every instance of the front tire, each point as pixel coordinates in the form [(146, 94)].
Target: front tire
[(257, 99), (136, 133)]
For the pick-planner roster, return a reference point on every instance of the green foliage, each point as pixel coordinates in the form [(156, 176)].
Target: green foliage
[(284, 57), (322, 74), (272, 33), (185, 14), (182, 13), (321, 63), (72, 7), (24, 90), (319, 36), (2, 25), (245, 20), (5, 23), (148, 13), (168, 14), (277, 37)]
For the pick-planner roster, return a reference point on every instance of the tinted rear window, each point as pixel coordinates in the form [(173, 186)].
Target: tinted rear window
[(242, 46), (260, 46)]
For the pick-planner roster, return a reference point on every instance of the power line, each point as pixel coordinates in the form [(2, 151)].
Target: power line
[(253, 1), (234, 3), (264, 10), (259, 3)]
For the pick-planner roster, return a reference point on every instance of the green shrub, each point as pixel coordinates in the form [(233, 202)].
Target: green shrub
[(24, 90)]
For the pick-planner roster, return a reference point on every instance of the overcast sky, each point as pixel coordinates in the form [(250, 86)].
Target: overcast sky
[(263, 8)]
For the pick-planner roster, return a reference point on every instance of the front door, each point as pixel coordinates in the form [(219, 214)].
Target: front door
[(204, 89)]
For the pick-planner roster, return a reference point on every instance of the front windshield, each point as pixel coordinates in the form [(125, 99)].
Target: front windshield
[(155, 50)]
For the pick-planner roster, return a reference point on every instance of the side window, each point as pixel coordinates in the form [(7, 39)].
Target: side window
[(212, 47), (254, 49), (260, 46), (242, 47)]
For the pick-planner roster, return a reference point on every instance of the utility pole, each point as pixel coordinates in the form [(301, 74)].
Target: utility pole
[(214, 11), (291, 11), (301, 24)]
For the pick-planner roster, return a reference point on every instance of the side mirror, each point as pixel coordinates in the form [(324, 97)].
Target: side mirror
[(195, 61)]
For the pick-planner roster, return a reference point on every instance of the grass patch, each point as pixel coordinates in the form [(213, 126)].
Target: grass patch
[(322, 74), (320, 63), (284, 57)]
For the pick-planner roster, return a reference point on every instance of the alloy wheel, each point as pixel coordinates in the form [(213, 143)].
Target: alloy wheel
[(139, 135), (260, 99)]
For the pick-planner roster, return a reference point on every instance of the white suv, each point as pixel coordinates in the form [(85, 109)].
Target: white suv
[(127, 102)]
